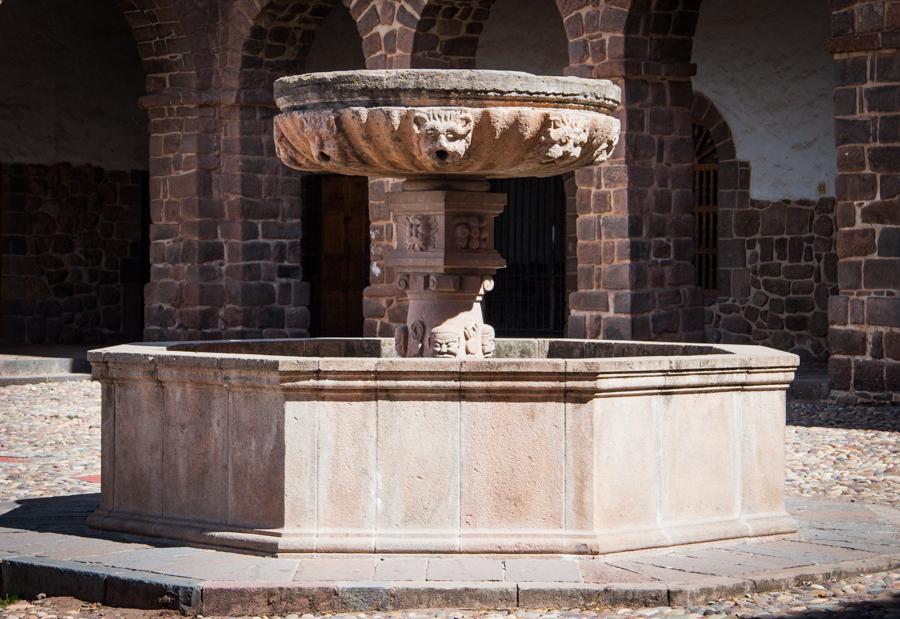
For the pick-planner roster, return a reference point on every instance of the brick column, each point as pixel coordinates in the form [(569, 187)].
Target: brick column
[(181, 298), (864, 334), (388, 31), (635, 222), (265, 293)]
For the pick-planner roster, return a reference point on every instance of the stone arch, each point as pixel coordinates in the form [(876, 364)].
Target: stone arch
[(166, 41), (705, 113), (162, 40), (628, 38), (264, 293), (733, 197), (277, 43), (447, 33), (88, 183)]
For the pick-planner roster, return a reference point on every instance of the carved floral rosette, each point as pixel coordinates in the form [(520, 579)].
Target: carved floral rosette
[(416, 141)]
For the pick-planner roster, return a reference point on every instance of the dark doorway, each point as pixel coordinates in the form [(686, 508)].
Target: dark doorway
[(336, 253), (529, 296), (134, 271)]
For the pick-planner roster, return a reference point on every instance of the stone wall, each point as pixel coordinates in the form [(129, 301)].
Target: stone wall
[(865, 316), (72, 264), (781, 271), (780, 111), (635, 277), (71, 80)]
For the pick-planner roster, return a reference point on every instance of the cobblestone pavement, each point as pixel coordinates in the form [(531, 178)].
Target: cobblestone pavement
[(850, 452), (50, 445)]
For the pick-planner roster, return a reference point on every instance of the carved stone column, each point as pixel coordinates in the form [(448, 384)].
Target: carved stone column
[(446, 260)]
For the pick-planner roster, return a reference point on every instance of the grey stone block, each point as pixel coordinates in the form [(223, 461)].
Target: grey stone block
[(363, 597), (560, 595), (710, 588), (454, 595), (465, 569), (26, 577), (128, 589)]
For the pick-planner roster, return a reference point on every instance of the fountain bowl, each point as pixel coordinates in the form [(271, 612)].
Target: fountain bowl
[(420, 122)]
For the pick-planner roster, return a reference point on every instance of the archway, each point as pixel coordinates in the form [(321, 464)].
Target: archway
[(775, 249), (73, 174), (536, 232), (279, 273)]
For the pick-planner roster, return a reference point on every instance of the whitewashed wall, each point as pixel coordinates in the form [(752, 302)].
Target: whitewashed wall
[(70, 79), (524, 35), (337, 45), (764, 65)]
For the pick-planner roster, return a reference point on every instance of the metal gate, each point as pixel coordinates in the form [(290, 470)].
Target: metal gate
[(529, 296), (706, 211)]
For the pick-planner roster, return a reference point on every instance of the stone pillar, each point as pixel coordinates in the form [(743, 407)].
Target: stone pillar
[(182, 299), (635, 223), (384, 304), (864, 317)]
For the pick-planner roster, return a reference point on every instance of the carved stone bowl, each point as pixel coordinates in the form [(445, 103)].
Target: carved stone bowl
[(413, 122)]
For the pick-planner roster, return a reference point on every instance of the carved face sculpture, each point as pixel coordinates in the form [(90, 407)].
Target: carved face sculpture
[(401, 340), (562, 139), (473, 340), (443, 136), (314, 137), (417, 335), (488, 345), (421, 230), (444, 343)]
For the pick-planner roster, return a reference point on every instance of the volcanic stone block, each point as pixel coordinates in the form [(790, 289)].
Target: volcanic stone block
[(883, 311)]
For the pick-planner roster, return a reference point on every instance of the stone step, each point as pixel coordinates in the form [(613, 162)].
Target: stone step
[(39, 364), (808, 388)]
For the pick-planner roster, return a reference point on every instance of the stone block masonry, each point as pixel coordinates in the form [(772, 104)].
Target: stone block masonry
[(73, 262), (865, 316), (223, 231), (777, 269)]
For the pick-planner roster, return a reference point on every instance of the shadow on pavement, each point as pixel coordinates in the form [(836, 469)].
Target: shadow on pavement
[(64, 515), (833, 415)]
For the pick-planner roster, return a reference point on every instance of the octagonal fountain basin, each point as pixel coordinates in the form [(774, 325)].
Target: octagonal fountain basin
[(551, 446)]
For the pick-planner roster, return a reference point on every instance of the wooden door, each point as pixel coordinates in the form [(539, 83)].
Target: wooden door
[(343, 255)]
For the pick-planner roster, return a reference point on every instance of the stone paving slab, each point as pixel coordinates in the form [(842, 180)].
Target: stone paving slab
[(45, 548)]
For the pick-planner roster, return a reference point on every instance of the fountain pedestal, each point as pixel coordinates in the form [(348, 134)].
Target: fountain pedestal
[(445, 260)]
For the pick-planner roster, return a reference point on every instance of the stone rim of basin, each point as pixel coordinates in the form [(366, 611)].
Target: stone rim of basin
[(406, 123), (452, 87)]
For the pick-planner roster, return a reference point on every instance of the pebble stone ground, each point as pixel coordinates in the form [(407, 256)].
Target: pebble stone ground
[(50, 445)]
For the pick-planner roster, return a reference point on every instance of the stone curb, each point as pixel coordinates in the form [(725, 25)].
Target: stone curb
[(231, 598), (7, 381), (27, 576)]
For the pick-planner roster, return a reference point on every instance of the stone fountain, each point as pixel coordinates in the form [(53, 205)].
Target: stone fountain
[(445, 132), (444, 440)]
